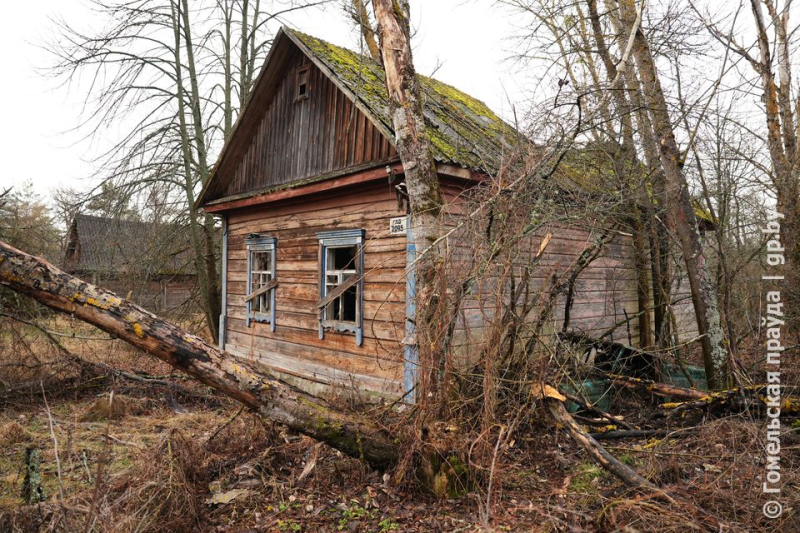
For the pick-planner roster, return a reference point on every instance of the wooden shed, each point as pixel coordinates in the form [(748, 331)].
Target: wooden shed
[(150, 262), (315, 244)]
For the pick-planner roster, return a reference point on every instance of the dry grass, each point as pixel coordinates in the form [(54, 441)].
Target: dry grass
[(13, 433), (114, 407), (139, 462), (720, 468), (163, 491)]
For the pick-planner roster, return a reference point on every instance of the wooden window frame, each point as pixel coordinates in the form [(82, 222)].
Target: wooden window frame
[(300, 97), (256, 245), (338, 239)]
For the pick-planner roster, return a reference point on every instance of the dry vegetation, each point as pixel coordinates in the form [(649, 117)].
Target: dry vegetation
[(135, 456)]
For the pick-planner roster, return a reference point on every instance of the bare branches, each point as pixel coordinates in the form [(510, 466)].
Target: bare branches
[(361, 17), (164, 73)]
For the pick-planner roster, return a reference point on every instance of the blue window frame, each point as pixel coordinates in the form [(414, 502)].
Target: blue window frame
[(341, 282), (261, 280)]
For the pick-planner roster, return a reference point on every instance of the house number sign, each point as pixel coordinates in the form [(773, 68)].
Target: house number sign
[(398, 226)]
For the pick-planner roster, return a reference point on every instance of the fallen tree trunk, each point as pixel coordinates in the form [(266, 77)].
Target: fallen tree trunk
[(664, 390), (625, 473), (753, 398), (234, 377), (598, 453), (725, 401)]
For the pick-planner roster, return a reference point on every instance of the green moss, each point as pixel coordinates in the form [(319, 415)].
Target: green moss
[(701, 213), (586, 480), (322, 422), (462, 129)]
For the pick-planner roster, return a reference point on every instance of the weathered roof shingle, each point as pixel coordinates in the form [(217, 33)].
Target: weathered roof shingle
[(112, 246)]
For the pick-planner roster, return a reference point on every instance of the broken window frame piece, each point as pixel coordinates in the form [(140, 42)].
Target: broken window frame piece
[(264, 295), (350, 276), (302, 83)]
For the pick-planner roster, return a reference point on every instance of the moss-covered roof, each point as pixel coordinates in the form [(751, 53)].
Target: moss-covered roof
[(462, 129)]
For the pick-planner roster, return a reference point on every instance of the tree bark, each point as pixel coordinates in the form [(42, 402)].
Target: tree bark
[(704, 295), (361, 17), (629, 171), (422, 183), (659, 233), (203, 248), (782, 144), (233, 376), (627, 474)]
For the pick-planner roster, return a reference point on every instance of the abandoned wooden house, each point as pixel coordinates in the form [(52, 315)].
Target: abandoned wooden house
[(150, 263), (315, 245)]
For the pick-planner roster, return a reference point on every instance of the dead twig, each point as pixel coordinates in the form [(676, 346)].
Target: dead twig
[(610, 463)]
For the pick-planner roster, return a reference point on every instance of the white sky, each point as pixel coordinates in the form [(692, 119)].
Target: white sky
[(37, 139)]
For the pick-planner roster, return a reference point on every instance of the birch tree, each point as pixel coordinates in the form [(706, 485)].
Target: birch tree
[(604, 53), (771, 59)]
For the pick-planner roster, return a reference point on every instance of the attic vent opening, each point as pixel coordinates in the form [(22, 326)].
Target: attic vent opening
[(302, 84)]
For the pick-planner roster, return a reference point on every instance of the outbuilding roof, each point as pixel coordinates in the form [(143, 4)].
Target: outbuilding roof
[(113, 246)]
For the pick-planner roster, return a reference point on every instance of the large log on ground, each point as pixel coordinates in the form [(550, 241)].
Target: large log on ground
[(234, 377)]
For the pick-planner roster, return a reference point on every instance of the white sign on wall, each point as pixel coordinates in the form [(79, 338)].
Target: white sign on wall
[(398, 226)]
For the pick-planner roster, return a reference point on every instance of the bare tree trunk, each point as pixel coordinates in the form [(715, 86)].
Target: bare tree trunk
[(629, 173), (227, 89), (422, 183), (198, 239), (704, 294), (782, 142), (233, 376), (243, 56), (658, 233), (208, 262), (249, 50), (361, 17)]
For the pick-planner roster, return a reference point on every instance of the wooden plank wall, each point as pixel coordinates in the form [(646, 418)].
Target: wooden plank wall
[(178, 293), (604, 292), (294, 348), (300, 139), (159, 296)]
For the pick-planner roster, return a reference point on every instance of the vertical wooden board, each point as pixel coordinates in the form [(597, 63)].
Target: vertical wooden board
[(360, 138), (368, 134)]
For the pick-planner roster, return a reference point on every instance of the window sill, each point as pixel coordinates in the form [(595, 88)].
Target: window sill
[(262, 319), (340, 327)]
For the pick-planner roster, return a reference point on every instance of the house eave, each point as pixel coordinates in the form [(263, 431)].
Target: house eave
[(373, 171)]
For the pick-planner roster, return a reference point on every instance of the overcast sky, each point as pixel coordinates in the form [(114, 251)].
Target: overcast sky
[(468, 39)]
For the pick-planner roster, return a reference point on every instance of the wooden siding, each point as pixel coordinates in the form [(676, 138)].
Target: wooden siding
[(605, 292), (294, 349), (299, 139), (162, 296)]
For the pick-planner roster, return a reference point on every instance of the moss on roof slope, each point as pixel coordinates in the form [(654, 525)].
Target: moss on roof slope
[(462, 129)]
